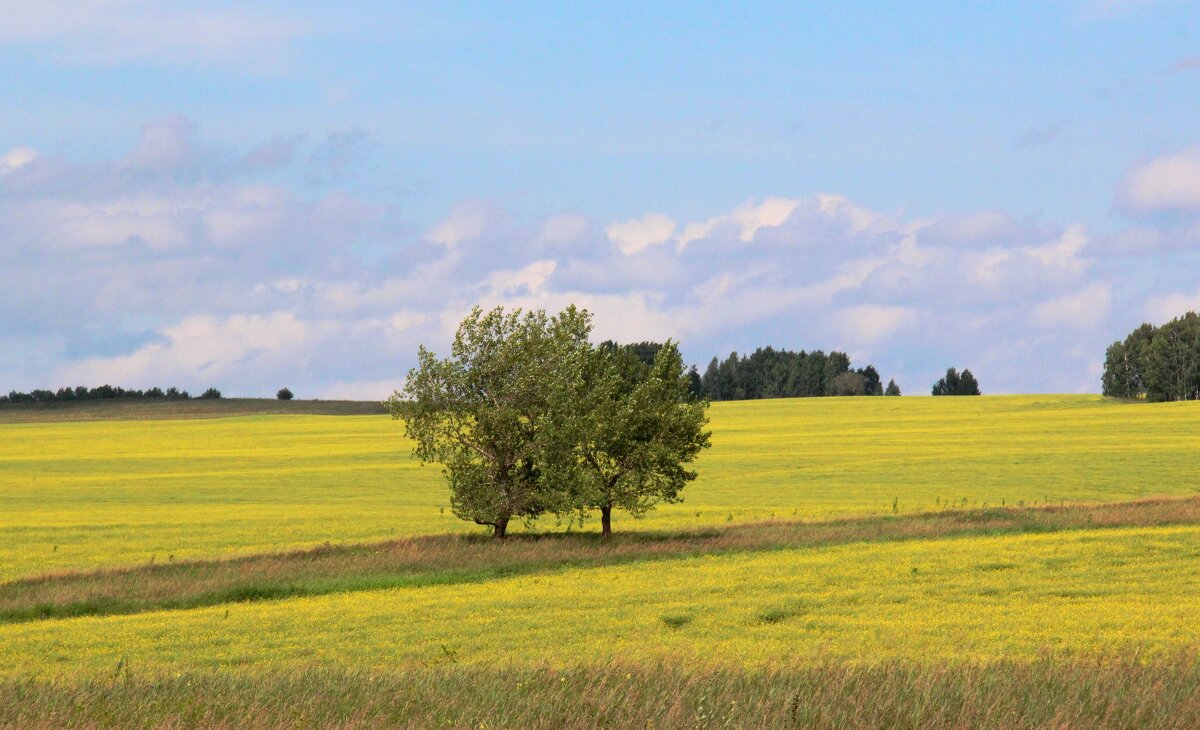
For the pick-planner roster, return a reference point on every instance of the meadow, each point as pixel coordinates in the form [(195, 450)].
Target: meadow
[(91, 494), (967, 548)]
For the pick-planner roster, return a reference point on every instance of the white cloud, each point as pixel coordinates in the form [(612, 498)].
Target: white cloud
[(860, 219), (1168, 183), (531, 278), (226, 215), (995, 227), (746, 220), (562, 229), (1164, 308), (204, 348), (1063, 254), (165, 144), (1085, 309), (378, 390), (638, 234), (16, 158), (466, 222), (869, 324), (209, 278)]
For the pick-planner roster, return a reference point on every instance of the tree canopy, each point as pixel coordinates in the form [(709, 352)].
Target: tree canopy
[(479, 411), (527, 418), (955, 383), (772, 373), (1156, 363), (622, 435)]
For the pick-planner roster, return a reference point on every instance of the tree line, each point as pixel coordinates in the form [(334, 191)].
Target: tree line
[(528, 418), (1156, 363), (956, 383), (771, 373), (103, 392)]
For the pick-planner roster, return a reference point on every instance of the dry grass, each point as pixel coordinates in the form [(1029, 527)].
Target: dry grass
[(1116, 692), (449, 559)]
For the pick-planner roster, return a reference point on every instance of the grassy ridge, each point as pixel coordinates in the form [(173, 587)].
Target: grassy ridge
[(1121, 692), (443, 560), (138, 409), (84, 495)]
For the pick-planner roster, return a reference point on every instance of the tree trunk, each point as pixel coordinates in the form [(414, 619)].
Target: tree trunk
[(500, 530), (606, 521)]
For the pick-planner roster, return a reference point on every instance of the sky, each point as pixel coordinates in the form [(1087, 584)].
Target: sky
[(255, 195)]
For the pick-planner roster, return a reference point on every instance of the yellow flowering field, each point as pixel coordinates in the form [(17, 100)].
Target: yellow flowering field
[(88, 494), (981, 598)]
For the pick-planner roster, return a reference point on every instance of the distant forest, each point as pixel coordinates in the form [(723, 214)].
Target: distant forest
[(771, 373), (103, 392), (1156, 363), (764, 373)]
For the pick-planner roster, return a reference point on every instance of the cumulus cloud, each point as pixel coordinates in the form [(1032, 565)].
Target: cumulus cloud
[(466, 222), (207, 347), (1165, 307), (530, 279), (744, 221), (1084, 309), (358, 390), (869, 324), (1163, 184), (638, 234), (560, 229), (176, 264)]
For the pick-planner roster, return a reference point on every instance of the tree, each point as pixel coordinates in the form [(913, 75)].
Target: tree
[(892, 388), (872, 383), (849, 383), (479, 412), (836, 364), (1126, 364), (947, 385), (619, 437), (284, 394), (956, 384), (1172, 363), (211, 393), (968, 385), (695, 385), (710, 381)]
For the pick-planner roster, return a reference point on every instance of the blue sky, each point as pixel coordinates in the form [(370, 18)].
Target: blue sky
[(252, 195)]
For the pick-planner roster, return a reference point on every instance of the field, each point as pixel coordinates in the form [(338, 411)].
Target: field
[(858, 550)]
